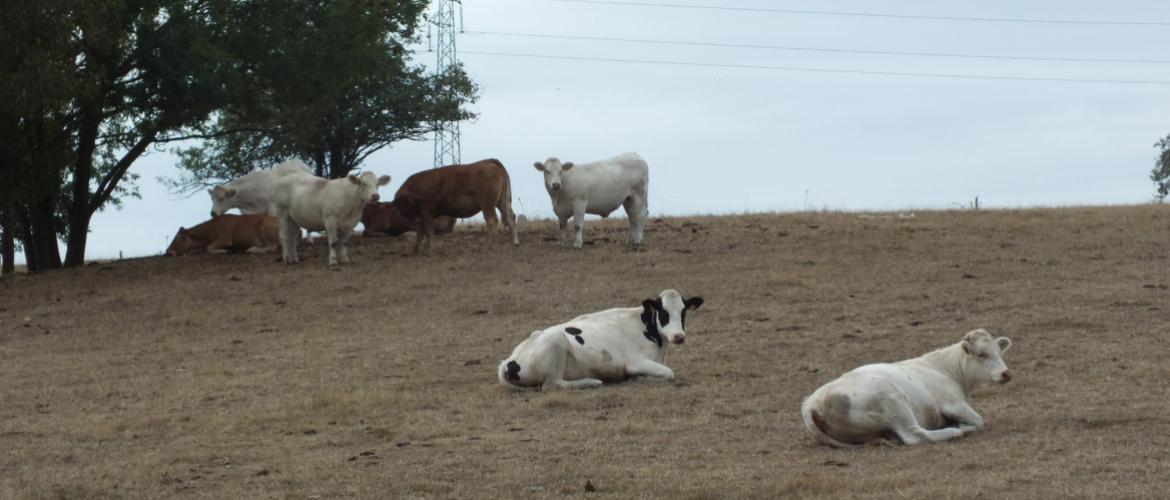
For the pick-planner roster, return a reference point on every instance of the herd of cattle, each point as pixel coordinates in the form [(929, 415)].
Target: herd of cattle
[(428, 202), (920, 400)]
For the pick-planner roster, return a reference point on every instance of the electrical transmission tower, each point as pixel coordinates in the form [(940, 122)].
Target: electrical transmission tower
[(446, 133)]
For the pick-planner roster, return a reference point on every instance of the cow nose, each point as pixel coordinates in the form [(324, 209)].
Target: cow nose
[(1006, 377), (213, 214), (556, 186), (680, 339), (374, 197)]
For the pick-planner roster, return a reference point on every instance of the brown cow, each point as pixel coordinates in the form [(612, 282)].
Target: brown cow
[(459, 191), (383, 219), (253, 233)]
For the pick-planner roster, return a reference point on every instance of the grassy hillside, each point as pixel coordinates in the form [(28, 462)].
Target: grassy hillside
[(240, 377)]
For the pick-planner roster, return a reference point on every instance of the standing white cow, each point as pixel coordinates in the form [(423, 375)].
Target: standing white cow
[(598, 188), (252, 193), (611, 346), (917, 401), (334, 206)]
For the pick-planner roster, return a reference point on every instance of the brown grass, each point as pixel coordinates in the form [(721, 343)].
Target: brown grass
[(239, 377)]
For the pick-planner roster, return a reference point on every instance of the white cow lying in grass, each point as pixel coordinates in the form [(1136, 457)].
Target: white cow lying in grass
[(253, 193), (334, 206), (610, 346), (916, 401), (598, 188)]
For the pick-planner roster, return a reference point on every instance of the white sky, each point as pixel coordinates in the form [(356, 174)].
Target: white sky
[(728, 140)]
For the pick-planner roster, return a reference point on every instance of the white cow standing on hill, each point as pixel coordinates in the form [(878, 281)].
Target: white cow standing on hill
[(606, 346), (598, 188), (916, 401), (334, 206), (252, 193)]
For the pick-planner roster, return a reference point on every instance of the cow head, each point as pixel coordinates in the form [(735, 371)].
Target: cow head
[(221, 200), (180, 244), (665, 317), (983, 357), (367, 185), (554, 173)]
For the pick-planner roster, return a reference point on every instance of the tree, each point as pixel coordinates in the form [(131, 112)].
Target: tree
[(1161, 173), (96, 84), (327, 82)]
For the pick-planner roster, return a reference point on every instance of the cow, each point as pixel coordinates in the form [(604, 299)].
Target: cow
[(252, 233), (458, 191), (383, 219), (252, 193), (606, 346), (598, 188), (334, 206), (920, 400)]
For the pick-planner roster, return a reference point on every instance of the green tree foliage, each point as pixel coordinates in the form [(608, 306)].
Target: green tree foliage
[(327, 82), (1161, 173), (90, 86)]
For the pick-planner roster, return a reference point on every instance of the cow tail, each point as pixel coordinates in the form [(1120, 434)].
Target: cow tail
[(816, 425), (507, 194)]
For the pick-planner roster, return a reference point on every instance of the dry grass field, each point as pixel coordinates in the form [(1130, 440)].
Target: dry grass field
[(239, 377)]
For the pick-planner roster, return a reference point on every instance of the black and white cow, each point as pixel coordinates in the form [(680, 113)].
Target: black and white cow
[(605, 346)]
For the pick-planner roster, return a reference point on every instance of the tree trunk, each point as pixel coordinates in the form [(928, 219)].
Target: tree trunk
[(7, 225), (79, 209), (39, 235)]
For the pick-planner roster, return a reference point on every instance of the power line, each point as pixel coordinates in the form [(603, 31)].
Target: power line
[(871, 14), (823, 70), (816, 49)]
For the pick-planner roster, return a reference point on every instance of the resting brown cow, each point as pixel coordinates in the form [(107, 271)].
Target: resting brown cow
[(383, 219), (254, 233), (459, 191)]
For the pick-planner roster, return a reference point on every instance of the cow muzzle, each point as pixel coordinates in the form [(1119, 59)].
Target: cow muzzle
[(556, 186), (678, 339), (374, 198), (1005, 377)]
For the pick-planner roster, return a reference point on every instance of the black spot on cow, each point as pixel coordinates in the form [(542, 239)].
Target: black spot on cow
[(513, 371), (649, 311), (572, 330), (579, 339)]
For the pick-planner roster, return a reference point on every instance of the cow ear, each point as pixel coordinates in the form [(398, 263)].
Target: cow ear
[(649, 304), (354, 179), (566, 165), (384, 180), (967, 348), (1004, 344), (539, 166), (693, 302)]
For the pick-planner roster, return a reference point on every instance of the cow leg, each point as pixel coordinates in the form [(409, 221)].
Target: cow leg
[(288, 236), (961, 412), (637, 212), (343, 244), (579, 223), (648, 368), (220, 245), (331, 235), (509, 218), (491, 222), (563, 224), (906, 426)]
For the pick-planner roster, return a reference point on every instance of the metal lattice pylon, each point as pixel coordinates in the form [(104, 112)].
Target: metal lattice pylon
[(446, 133)]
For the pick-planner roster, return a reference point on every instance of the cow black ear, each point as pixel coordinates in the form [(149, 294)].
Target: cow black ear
[(693, 302), (649, 304)]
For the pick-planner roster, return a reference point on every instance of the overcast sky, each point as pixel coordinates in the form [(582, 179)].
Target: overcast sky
[(723, 139)]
